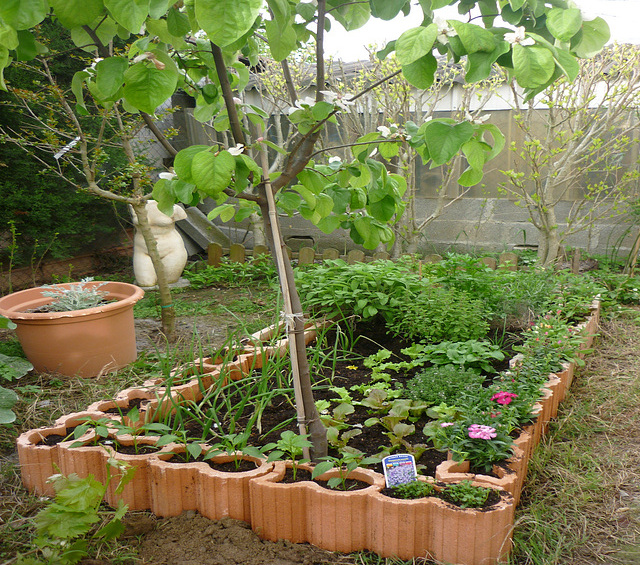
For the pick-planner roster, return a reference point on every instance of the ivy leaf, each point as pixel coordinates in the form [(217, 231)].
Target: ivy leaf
[(415, 43), (23, 14), (533, 65), (224, 21), (421, 73), (130, 14), (147, 87), (564, 23)]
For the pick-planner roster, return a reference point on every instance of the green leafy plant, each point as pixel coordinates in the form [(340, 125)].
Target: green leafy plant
[(64, 526), (290, 446), (438, 314), (13, 368), (470, 354), (78, 296), (482, 445), (413, 490), (8, 399), (345, 462), (233, 445), (466, 495), (444, 383)]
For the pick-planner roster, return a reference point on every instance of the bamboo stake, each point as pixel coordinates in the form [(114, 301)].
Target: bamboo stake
[(288, 310)]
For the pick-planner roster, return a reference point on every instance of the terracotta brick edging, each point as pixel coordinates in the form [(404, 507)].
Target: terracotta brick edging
[(308, 512)]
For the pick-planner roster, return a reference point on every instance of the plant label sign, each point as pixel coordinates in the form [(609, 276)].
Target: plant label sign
[(399, 469)]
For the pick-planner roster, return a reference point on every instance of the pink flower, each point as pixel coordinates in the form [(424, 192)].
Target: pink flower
[(478, 431), (446, 424), (503, 397), (495, 414)]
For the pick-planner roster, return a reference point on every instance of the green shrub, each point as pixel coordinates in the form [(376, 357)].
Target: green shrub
[(443, 383), (366, 290), (439, 314)]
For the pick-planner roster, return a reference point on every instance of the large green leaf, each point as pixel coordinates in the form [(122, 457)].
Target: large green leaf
[(225, 21), (352, 15), (74, 13), (23, 14), (27, 46), (6, 323), (8, 37), (182, 161), (130, 14), (213, 173), (474, 38), (445, 140), (386, 9), (384, 209), (110, 75), (177, 23), (281, 12), (479, 64), (564, 24), (146, 87), (533, 65), (421, 73), (415, 43), (8, 399), (567, 62), (593, 38), (281, 40)]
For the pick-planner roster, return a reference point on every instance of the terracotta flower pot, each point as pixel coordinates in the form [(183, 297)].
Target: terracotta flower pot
[(83, 343), (39, 461)]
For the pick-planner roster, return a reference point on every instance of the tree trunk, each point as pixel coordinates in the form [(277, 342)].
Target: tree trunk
[(167, 311)]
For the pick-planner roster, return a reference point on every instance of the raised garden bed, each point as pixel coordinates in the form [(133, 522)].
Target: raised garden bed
[(378, 516)]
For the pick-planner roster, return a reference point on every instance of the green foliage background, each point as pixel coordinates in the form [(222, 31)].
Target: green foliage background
[(51, 217)]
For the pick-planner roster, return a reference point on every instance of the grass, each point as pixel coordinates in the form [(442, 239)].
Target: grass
[(581, 503)]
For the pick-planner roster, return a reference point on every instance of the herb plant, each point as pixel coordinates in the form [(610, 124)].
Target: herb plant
[(438, 314), (466, 495), (470, 354), (443, 383), (78, 296), (413, 490), (290, 445), (345, 462)]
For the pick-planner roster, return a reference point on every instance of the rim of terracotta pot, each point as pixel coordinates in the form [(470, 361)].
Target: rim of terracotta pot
[(13, 305)]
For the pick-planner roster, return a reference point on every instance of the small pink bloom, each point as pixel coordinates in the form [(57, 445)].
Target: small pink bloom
[(446, 424), (478, 431)]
